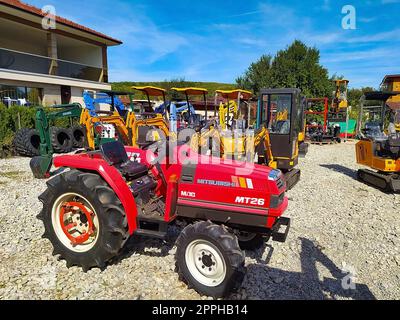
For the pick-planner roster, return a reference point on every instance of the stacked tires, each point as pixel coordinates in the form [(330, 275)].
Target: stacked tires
[(27, 142), (63, 140)]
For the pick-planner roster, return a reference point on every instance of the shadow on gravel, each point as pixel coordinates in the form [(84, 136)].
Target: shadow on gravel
[(150, 246), (341, 169), (264, 282)]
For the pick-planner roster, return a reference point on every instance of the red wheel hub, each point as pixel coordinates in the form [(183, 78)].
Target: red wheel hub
[(70, 214)]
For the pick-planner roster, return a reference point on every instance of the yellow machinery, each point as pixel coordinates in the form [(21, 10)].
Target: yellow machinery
[(301, 140), (273, 143), (220, 132), (339, 101), (108, 127), (230, 111), (144, 128), (232, 117), (281, 113), (379, 144), (138, 129), (392, 83), (184, 112)]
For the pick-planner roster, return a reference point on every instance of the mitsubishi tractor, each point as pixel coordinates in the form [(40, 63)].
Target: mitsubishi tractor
[(105, 196)]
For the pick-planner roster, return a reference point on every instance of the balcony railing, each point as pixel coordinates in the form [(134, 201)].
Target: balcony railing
[(19, 61)]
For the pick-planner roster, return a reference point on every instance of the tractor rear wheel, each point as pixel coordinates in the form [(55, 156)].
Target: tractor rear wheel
[(61, 140), (209, 259), (27, 142), (83, 219)]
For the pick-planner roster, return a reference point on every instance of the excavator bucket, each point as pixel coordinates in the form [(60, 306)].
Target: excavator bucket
[(41, 166)]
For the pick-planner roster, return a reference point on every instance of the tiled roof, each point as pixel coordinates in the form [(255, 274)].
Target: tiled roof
[(36, 11)]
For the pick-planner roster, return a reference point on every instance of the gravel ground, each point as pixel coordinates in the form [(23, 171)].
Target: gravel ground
[(344, 235)]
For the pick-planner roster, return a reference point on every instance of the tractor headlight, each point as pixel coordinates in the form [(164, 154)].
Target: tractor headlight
[(276, 200), (274, 174)]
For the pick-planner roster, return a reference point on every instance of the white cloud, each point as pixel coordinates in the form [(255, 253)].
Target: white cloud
[(253, 42), (393, 35), (366, 19), (372, 54)]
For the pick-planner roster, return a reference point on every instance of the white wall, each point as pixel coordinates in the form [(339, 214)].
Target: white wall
[(51, 95), (18, 37)]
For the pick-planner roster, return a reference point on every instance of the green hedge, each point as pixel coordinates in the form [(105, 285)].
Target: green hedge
[(11, 120)]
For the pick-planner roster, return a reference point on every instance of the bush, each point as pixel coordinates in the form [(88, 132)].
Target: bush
[(11, 120)]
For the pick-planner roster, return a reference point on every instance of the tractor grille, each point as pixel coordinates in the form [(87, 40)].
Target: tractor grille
[(280, 183)]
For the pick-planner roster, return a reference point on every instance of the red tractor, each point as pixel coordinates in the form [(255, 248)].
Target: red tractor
[(108, 195)]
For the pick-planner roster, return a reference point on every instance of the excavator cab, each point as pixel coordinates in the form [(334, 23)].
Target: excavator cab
[(279, 111), (280, 115), (379, 144)]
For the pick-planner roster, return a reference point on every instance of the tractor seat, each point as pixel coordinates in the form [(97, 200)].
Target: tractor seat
[(115, 155), (393, 144), (394, 141)]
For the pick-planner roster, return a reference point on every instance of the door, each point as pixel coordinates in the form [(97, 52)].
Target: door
[(277, 112), (65, 94)]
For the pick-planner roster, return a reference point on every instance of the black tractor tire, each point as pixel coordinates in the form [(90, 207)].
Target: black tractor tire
[(251, 241), (27, 142), (61, 139), (112, 231), (78, 136), (227, 247)]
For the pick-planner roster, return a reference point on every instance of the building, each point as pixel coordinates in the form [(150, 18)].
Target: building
[(51, 66), (392, 83)]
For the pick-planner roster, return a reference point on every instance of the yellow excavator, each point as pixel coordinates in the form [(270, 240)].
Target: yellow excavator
[(216, 135), (272, 140), (379, 142), (147, 127), (339, 101), (279, 122)]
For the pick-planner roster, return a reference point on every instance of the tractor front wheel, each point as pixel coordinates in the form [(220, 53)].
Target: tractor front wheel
[(209, 259), (83, 219)]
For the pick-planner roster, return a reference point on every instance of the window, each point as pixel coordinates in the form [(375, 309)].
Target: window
[(277, 108), (22, 96)]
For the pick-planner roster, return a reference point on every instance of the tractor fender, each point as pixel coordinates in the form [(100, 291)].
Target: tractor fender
[(110, 175)]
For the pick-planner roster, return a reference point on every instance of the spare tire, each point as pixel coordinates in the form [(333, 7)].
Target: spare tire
[(61, 139), (27, 142), (78, 136)]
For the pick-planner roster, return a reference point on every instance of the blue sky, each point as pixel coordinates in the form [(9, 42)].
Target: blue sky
[(217, 40)]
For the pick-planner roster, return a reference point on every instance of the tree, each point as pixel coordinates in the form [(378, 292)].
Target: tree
[(353, 98), (297, 66), (257, 75)]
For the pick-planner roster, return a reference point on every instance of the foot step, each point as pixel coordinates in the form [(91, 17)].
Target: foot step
[(151, 233)]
